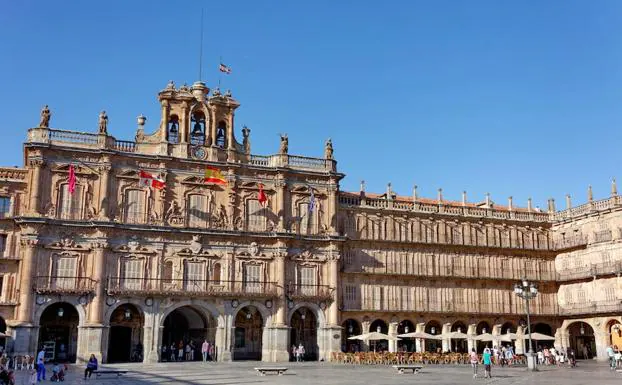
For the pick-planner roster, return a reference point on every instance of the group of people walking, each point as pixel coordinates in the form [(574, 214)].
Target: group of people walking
[(188, 351)]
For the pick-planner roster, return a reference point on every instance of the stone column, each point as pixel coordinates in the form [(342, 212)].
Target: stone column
[(471, 332), (334, 285), (35, 188), (281, 192), (446, 341), (333, 204), (96, 308), (26, 296), (279, 333), (420, 342), (104, 199), (164, 124), (520, 342), (393, 332), (184, 128), (365, 325)]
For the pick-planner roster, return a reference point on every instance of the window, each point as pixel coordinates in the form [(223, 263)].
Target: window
[(131, 272), (581, 296), (252, 278), (135, 206), (216, 274), (606, 256), (194, 276), (70, 206), (197, 212), (65, 272), (306, 218), (167, 272), (350, 294), (5, 207), (3, 238), (307, 281), (378, 298), (610, 294), (569, 299), (255, 219)]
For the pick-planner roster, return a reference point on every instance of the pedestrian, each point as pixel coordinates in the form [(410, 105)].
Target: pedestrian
[(300, 353), (164, 353), (486, 359), (180, 351), (32, 379), (41, 365), (205, 350), (192, 351), (188, 350), (584, 351), (172, 352), (474, 362), (212, 351), (90, 366), (294, 356), (611, 356)]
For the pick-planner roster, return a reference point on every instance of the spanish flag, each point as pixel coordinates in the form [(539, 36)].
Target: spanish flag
[(214, 175)]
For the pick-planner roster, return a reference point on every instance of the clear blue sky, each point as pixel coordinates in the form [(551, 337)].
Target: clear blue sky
[(519, 98)]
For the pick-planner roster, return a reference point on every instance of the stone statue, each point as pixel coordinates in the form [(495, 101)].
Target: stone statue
[(246, 143), (173, 209), (45, 117), (170, 85), (328, 149), (284, 144), (222, 216), (103, 123)]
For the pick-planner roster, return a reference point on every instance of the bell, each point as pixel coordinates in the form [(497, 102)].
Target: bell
[(197, 130), (173, 129)]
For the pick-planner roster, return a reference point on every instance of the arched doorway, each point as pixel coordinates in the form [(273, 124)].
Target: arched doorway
[(351, 328), (542, 328), (2, 339), (187, 326), (381, 327), (481, 328), (434, 328), (405, 344), (248, 334), (125, 339), (304, 331), (581, 338), (508, 327), (614, 328), (58, 332), (457, 344)]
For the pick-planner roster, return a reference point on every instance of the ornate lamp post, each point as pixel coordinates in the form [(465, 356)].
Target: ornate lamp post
[(528, 290)]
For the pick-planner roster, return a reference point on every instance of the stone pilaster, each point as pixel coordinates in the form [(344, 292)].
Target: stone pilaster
[(393, 332), (35, 188), (104, 202), (446, 341), (96, 308), (26, 294), (471, 332), (281, 187), (420, 342)]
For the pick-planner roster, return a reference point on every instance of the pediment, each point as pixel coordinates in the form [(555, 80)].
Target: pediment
[(128, 174), (78, 169)]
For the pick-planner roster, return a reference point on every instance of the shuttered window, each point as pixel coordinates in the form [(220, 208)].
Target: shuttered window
[(135, 206), (255, 217), (306, 219), (65, 272), (5, 207), (131, 274), (70, 204), (307, 281), (194, 276), (197, 211), (252, 278)]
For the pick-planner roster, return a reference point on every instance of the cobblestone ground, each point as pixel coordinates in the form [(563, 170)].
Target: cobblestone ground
[(328, 374)]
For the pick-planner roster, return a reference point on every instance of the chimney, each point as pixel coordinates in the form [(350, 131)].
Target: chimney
[(590, 195), (464, 198), (488, 200), (614, 187), (529, 208), (362, 187), (440, 195), (568, 202), (551, 205), (414, 193), (510, 204)]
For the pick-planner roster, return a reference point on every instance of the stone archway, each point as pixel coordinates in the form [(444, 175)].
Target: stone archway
[(303, 330), (379, 326), (248, 334), (58, 332), (582, 339), (189, 326), (352, 328), (542, 328), (459, 345), (434, 328), (406, 344), (613, 328), (125, 334)]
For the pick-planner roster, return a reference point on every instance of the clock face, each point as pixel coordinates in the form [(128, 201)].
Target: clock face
[(199, 153)]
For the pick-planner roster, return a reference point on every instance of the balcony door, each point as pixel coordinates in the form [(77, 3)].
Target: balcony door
[(194, 276), (131, 274), (65, 273)]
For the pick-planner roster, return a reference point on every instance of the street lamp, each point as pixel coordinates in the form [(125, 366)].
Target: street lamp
[(528, 290)]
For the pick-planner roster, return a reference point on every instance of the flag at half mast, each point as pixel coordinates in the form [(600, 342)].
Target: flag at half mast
[(214, 175)]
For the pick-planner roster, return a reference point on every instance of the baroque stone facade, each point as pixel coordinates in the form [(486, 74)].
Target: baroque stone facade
[(276, 255)]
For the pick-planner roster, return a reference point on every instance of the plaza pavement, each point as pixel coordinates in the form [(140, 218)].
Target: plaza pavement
[(328, 374)]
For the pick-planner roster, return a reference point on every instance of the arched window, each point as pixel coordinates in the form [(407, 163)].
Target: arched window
[(70, 205), (135, 209), (197, 135), (173, 129), (216, 274), (221, 134), (197, 210)]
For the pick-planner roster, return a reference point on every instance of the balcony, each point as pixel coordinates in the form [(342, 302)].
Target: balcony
[(310, 292), (590, 271), (64, 285), (600, 307), (190, 288), (450, 306), (602, 236), (575, 241)]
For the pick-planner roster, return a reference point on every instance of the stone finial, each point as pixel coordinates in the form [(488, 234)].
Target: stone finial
[(529, 206), (362, 186), (170, 85), (510, 203), (141, 119), (246, 142), (464, 198), (614, 187), (414, 193), (551, 205), (590, 194), (45, 117), (228, 94), (568, 201), (440, 195)]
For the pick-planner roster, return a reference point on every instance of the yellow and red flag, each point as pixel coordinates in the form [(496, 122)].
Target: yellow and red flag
[(214, 175)]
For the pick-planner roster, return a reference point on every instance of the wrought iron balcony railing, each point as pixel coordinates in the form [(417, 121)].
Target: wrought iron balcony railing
[(591, 270), (309, 292), (599, 307), (571, 242), (190, 287), (63, 285)]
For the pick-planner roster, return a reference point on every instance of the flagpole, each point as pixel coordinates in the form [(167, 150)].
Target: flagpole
[(201, 48)]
